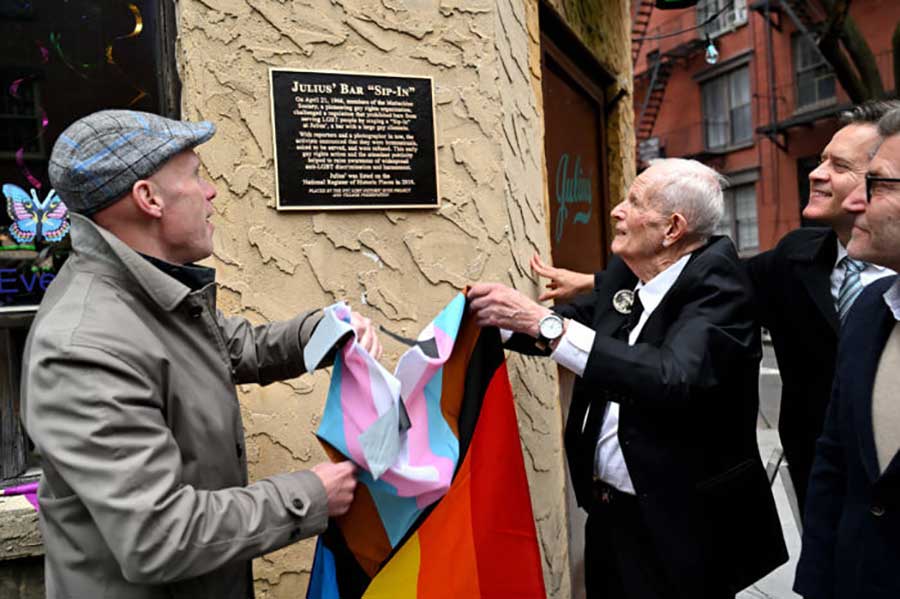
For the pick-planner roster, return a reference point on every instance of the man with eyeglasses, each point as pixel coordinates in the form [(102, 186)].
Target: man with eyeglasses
[(851, 537)]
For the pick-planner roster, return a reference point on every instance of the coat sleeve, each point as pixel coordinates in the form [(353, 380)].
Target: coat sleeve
[(712, 333), (271, 352), (760, 269), (581, 308), (825, 498), (100, 423)]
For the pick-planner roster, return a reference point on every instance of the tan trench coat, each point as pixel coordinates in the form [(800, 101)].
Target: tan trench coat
[(129, 396)]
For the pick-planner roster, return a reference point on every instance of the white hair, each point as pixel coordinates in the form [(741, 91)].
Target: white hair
[(692, 189)]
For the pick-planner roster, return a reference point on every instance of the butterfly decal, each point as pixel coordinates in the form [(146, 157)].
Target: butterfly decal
[(33, 219)]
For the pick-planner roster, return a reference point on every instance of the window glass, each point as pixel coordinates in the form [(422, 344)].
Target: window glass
[(746, 221), (58, 62), (726, 15), (740, 221), (726, 225), (741, 126), (814, 78), (727, 109), (715, 113)]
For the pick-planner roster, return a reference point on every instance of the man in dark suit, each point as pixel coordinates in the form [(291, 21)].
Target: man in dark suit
[(851, 538), (802, 288), (661, 436), (798, 287)]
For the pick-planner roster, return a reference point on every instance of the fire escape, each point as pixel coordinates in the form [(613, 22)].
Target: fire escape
[(807, 17), (659, 68)]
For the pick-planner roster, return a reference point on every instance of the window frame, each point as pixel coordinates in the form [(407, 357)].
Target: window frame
[(730, 19)]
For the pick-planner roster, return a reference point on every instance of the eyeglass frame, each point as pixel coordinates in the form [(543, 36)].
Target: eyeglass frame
[(870, 180)]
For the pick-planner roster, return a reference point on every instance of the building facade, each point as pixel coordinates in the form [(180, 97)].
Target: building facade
[(534, 143), (763, 112)]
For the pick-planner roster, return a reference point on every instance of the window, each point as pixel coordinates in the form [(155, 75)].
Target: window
[(20, 118), (740, 221), (729, 14), (813, 75), (58, 62), (726, 109)]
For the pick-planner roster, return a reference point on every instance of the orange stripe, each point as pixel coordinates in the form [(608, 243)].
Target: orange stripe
[(448, 567)]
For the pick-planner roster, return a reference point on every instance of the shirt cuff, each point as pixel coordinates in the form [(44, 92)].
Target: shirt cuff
[(574, 349), (505, 334)]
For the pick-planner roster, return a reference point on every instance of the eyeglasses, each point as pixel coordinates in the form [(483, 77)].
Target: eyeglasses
[(874, 185)]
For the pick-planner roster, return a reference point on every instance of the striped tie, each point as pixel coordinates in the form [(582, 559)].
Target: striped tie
[(851, 287)]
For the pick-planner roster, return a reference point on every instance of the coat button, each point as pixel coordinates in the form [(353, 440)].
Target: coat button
[(195, 311), (298, 503), (877, 510)]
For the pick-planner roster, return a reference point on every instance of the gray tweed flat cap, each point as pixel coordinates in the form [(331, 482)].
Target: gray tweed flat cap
[(97, 159)]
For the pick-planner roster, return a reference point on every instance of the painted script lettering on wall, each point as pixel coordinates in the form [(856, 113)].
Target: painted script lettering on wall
[(574, 190)]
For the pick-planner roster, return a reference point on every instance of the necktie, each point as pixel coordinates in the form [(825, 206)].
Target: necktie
[(851, 286), (631, 320)]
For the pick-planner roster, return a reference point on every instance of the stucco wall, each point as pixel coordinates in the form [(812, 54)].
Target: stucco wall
[(397, 267)]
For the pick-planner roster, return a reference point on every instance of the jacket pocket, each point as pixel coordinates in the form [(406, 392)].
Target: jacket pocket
[(740, 528), (727, 479)]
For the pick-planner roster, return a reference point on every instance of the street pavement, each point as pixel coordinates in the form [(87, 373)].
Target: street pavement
[(776, 585)]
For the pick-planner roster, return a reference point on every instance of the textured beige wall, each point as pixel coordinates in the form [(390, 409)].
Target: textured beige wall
[(397, 267)]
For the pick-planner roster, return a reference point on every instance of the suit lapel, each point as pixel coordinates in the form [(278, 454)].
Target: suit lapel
[(813, 265), (868, 343), (606, 319)]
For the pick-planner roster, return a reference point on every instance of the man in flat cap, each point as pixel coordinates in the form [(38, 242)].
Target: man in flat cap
[(129, 381)]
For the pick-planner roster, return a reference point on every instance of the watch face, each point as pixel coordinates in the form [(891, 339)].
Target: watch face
[(551, 327)]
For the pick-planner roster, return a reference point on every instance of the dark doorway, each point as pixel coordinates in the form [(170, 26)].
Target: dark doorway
[(575, 148)]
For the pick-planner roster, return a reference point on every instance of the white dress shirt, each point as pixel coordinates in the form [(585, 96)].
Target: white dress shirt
[(573, 351), (892, 299), (871, 273)]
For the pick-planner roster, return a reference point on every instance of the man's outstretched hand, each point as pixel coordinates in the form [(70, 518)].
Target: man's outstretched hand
[(496, 305), (564, 284), (340, 484), (365, 334)]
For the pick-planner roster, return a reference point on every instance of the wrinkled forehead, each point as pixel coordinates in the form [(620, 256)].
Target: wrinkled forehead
[(854, 143), (886, 162)]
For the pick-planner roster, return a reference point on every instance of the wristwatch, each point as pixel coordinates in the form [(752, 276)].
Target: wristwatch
[(550, 328)]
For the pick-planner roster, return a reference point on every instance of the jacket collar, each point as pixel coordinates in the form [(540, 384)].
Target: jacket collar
[(813, 263), (97, 250)]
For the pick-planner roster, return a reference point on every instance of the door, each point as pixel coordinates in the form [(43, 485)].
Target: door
[(575, 149)]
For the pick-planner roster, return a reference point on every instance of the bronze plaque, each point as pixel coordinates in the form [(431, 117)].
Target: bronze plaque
[(352, 141)]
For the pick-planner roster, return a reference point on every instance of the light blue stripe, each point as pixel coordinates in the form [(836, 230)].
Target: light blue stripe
[(397, 513), (122, 140), (441, 439), (450, 317), (332, 426), (69, 141)]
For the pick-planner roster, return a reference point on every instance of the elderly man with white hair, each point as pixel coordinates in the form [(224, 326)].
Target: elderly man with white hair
[(661, 434)]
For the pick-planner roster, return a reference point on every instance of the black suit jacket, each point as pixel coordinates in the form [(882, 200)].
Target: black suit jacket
[(792, 292), (688, 400), (851, 533)]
